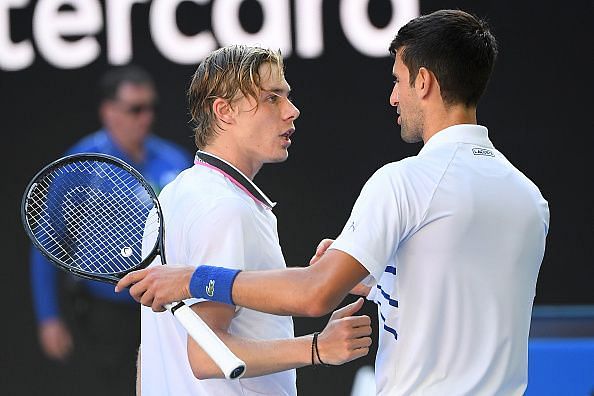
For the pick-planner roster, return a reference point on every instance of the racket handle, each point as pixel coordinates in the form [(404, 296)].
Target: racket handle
[(231, 365)]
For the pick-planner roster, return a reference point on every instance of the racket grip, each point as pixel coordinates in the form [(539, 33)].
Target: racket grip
[(231, 365)]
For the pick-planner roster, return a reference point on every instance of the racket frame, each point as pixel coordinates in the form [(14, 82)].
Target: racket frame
[(114, 278), (231, 365)]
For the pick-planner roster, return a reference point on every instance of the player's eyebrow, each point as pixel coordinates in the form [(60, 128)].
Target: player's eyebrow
[(278, 91)]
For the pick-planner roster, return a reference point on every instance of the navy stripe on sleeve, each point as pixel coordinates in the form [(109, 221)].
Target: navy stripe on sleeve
[(391, 301), (388, 328)]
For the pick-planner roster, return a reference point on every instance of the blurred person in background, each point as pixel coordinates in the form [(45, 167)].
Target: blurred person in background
[(93, 331)]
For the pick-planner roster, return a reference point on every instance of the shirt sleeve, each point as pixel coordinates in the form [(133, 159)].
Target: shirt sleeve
[(220, 236), (376, 226)]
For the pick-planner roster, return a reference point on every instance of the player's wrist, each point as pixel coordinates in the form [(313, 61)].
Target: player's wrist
[(315, 351), (213, 283)]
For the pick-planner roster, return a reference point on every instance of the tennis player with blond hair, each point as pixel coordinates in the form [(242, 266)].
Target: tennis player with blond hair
[(217, 215)]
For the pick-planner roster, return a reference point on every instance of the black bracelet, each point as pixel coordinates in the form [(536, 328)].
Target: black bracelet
[(314, 345), (315, 336)]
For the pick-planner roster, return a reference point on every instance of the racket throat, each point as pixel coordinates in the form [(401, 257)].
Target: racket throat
[(176, 307)]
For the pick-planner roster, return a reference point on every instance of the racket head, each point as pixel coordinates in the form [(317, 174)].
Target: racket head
[(88, 214)]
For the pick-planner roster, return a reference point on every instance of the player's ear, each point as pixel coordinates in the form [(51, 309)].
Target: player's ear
[(424, 82), (223, 110)]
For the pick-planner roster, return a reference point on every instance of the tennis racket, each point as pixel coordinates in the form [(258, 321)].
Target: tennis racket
[(89, 213)]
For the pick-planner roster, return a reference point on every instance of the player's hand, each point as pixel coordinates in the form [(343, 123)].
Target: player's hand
[(55, 339), (360, 289), (320, 250), (158, 285), (345, 337)]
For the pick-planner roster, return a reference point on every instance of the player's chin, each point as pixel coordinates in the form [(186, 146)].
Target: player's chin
[(279, 155)]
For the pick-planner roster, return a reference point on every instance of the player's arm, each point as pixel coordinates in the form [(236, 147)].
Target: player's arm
[(309, 291), (360, 290), (345, 338)]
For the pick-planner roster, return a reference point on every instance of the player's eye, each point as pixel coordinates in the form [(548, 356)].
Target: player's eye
[(273, 98)]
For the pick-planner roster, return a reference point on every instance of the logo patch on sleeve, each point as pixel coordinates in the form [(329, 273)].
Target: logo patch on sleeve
[(483, 151)]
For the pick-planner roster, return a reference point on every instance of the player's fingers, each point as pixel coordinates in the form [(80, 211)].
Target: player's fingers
[(323, 246), (157, 306), (347, 310), (146, 298), (363, 342), (359, 331), (359, 352), (138, 290), (130, 279), (320, 250), (159, 303), (358, 321)]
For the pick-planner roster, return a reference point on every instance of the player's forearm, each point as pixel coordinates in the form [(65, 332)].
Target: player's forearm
[(309, 291), (297, 292), (260, 357)]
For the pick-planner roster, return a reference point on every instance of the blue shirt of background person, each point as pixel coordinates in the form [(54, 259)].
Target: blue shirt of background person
[(127, 113)]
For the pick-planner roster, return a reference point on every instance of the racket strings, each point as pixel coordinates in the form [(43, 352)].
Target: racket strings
[(92, 215)]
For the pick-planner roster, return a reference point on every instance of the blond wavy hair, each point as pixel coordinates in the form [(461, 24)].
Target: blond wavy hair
[(225, 73)]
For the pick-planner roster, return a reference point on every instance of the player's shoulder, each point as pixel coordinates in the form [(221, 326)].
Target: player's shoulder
[(403, 168), (407, 177), (207, 189)]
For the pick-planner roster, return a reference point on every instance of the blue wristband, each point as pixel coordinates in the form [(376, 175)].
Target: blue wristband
[(213, 283)]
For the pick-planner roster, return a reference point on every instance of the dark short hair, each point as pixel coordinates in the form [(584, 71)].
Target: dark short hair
[(456, 46), (113, 79)]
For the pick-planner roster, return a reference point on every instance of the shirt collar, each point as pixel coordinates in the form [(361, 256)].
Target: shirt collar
[(462, 133), (234, 175)]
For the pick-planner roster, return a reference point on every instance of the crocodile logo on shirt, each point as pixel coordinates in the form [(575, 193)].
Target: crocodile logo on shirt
[(482, 151), (210, 288)]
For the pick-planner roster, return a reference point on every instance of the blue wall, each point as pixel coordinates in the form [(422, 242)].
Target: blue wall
[(560, 367)]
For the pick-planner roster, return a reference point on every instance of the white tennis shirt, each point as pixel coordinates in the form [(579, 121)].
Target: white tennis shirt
[(210, 219), (453, 239)]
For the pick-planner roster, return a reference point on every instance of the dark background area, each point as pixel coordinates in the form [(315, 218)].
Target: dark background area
[(538, 108)]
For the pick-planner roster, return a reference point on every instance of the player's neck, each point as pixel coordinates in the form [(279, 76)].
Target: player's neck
[(453, 115), (235, 157)]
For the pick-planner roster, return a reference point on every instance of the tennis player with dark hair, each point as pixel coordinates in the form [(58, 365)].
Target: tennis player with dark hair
[(215, 214), (83, 322), (449, 242)]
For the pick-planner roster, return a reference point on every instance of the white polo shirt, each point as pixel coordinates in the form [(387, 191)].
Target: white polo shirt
[(210, 218), (453, 239)]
